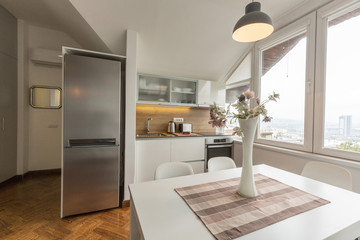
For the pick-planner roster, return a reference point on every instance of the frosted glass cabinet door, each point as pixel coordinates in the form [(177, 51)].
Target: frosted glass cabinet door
[(183, 92), (153, 89)]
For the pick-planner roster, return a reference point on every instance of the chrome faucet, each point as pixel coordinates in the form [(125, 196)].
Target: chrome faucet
[(148, 127)]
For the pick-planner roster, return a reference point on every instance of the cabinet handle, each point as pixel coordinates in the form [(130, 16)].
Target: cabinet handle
[(3, 124)]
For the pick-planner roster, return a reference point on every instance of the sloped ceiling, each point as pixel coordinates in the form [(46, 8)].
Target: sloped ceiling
[(58, 15), (183, 38)]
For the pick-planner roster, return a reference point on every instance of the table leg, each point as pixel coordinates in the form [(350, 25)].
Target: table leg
[(134, 228)]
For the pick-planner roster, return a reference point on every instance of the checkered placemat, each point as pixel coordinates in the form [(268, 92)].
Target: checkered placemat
[(227, 215)]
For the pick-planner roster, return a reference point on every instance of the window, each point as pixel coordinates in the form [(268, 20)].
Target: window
[(338, 115), (238, 82), (232, 94), (318, 110), (342, 115), (283, 69), (285, 66)]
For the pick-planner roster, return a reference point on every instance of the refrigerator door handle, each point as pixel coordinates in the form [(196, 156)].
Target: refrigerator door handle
[(97, 142)]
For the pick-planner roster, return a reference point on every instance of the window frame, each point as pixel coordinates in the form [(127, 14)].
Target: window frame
[(232, 86), (330, 11), (305, 24)]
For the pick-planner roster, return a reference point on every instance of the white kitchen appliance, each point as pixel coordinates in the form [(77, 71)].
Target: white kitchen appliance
[(185, 128)]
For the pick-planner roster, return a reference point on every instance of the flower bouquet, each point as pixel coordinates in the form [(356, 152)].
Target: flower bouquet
[(217, 116), (244, 109)]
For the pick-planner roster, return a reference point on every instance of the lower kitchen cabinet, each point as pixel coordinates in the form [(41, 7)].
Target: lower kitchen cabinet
[(149, 155), (187, 149), (198, 166)]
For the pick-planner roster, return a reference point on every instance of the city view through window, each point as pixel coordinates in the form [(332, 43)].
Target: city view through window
[(342, 115), (284, 69)]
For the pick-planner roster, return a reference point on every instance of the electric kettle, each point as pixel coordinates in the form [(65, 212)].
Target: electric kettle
[(171, 127)]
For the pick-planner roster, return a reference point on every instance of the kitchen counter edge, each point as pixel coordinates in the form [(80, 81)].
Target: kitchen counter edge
[(180, 137)]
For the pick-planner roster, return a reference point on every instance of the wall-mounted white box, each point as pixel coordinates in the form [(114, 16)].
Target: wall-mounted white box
[(178, 120)]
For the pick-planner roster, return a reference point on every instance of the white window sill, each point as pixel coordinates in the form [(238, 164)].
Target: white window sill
[(311, 156)]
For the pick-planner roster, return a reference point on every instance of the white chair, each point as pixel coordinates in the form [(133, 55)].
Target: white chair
[(220, 163), (328, 173), (173, 169)]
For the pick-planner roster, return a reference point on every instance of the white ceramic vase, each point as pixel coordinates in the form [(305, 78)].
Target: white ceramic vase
[(247, 186), (220, 130)]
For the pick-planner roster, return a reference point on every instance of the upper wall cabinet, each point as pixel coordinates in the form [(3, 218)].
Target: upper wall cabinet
[(204, 95), (166, 90), (210, 92)]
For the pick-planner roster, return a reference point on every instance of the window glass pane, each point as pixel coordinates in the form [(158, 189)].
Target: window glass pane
[(342, 115), (231, 98), (233, 93), (284, 72)]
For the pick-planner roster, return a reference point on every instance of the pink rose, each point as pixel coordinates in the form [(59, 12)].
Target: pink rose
[(249, 94)]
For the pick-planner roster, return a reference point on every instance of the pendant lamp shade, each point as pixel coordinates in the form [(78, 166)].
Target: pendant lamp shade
[(253, 26)]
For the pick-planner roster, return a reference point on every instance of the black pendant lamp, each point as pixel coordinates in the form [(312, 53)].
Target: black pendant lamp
[(253, 26)]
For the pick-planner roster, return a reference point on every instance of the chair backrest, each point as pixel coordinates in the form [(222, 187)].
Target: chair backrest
[(328, 173), (173, 169), (220, 163)]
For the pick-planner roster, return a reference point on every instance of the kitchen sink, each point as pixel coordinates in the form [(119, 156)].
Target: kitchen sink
[(151, 135)]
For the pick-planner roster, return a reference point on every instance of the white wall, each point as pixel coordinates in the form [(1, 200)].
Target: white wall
[(242, 72), (294, 161), (41, 144), (130, 110), (218, 92)]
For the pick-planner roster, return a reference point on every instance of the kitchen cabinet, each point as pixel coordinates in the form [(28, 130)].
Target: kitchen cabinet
[(154, 89), (198, 166), (150, 154), (188, 149), (210, 92), (204, 94)]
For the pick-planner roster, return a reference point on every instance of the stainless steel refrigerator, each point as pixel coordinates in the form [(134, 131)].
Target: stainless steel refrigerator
[(91, 134)]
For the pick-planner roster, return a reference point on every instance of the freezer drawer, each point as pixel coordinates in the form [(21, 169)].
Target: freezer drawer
[(90, 179)]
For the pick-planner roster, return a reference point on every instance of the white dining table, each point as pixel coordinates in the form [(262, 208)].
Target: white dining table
[(158, 212)]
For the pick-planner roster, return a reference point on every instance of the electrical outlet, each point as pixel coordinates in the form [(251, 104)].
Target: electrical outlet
[(178, 120)]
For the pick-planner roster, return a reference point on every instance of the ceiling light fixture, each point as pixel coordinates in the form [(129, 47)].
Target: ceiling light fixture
[(253, 26)]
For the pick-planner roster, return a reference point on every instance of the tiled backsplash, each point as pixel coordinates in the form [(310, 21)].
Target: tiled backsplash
[(161, 116)]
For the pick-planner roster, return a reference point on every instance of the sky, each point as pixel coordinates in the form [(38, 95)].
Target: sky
[(343, 68)]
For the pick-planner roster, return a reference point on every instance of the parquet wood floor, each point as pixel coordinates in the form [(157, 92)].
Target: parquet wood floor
[(30, 209)]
